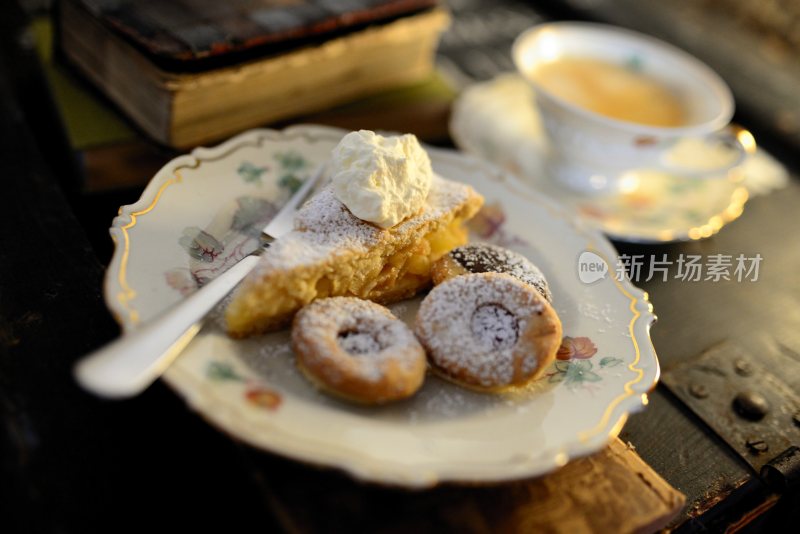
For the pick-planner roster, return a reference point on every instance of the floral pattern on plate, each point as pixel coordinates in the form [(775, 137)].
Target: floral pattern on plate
[(233, 235), (573, 366), (254, 392)]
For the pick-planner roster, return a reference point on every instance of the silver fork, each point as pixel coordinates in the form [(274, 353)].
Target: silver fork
[(128, 365)]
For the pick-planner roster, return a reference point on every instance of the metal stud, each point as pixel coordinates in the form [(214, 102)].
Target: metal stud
[(751, 405), (756, 445), (698, 391), (743, 367)]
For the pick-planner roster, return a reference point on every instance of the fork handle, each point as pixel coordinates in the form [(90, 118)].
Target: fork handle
[(127, 366)]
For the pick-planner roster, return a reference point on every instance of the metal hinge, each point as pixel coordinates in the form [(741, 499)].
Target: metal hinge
[(750, 408)]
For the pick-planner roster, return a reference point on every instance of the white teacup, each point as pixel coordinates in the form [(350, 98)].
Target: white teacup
[(590, 152)]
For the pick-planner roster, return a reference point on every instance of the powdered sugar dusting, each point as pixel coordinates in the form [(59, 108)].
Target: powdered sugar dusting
[(324, 226), (358, 343), (483, 258), (363, 329), (494, 327), (477, 347), (529, 363)]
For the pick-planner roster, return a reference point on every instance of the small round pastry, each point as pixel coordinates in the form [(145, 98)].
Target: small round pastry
[(485, 258), (357, 350), (488, 331)]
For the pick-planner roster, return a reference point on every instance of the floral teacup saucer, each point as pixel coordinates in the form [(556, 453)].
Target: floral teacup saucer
[(498, 121)]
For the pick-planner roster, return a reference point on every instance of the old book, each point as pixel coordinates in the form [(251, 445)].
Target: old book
[(196, 71)]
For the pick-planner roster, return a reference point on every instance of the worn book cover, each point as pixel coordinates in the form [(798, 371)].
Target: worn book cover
[(195, 71)]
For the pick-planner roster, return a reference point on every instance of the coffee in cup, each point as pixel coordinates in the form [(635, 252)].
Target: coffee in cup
[(613, 100), (615, 91)]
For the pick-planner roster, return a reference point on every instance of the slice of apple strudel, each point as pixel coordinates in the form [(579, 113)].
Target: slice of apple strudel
[(331, 252)]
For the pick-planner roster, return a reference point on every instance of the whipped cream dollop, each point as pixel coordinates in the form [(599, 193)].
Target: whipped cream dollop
[(382, 180)]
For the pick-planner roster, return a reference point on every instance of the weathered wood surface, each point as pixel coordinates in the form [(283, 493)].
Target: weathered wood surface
[(760, 317), (612, 491)]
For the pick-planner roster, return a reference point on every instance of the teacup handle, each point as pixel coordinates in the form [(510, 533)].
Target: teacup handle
[(730, 136)]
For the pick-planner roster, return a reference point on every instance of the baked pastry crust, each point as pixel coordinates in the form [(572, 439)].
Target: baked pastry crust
[(357, 350), (488, 331), (331, 252), (486, 258)]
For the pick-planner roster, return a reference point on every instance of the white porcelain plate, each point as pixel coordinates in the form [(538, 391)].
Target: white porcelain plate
[(197, 215)]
